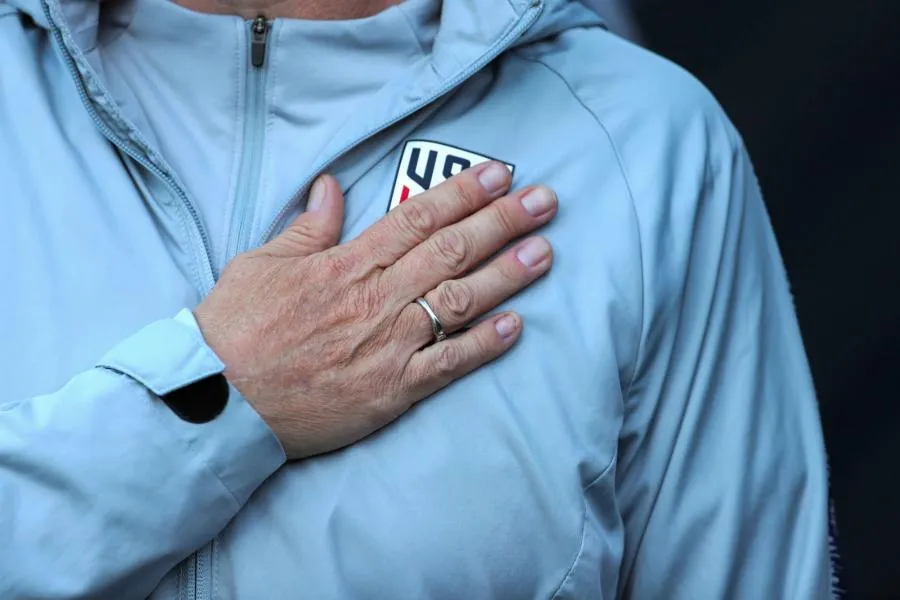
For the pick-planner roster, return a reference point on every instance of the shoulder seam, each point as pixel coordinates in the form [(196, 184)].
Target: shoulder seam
[(621, 165)]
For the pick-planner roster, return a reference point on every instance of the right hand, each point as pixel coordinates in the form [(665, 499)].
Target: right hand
[(325, 341)]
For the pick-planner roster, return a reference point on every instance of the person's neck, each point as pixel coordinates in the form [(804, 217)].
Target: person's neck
[(291, 9)]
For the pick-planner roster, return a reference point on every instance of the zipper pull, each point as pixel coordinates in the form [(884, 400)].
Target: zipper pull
[(259, 34)]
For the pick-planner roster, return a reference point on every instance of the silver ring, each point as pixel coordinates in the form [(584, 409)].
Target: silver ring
[(437, 328)]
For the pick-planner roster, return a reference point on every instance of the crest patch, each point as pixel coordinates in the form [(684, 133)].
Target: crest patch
[(425, 164)]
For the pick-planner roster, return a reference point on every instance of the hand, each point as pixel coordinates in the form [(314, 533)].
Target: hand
[(325, 341)]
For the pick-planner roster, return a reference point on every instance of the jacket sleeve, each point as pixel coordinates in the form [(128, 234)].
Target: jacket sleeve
[(103, 489), (722, 477)]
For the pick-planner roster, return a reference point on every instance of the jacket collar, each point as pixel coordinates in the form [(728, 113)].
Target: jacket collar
[(471, 34), (467, 26)]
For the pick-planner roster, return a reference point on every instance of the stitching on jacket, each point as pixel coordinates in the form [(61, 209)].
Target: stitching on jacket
[(620, 163), (98, 102), (584, 491)]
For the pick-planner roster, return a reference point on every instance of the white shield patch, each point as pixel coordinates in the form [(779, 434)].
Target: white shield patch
[(425, 164)]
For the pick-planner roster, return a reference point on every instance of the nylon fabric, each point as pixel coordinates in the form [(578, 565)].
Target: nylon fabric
[(654, 434)]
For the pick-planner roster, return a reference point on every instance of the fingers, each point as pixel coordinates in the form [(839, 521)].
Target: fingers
[(434, 367), (416, 220), (457, 249), (318, 228), (459, 302)]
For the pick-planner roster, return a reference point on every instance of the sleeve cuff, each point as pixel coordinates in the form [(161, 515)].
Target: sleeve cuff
[(237, 445)]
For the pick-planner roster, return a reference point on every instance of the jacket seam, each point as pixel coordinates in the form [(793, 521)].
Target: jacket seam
[(584, 490), (626, 580), (620, 163), (415, 35)]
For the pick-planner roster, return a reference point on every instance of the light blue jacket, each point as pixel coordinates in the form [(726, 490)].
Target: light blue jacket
[(654, 434)]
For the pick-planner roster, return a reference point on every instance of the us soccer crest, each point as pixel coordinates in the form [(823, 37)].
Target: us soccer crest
[(425, 164)]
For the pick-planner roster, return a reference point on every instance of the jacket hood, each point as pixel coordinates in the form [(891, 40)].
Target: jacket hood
[(467, 26)]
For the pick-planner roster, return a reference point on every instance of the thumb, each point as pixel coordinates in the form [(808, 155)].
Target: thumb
[(318, 228)]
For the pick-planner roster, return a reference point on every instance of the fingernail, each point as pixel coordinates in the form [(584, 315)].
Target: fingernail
[(533, 252), (539, 201), (317, 195), (507, 326), (494, 177)]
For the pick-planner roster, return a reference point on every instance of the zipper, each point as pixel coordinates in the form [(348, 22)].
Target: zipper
[(259, 33), (198, 574), (535, 7), (196, 229), (253, 141), (196, 569)]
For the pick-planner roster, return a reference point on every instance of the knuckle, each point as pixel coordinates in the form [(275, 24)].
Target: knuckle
[(465, 195), (448, 360), (303, 230), (344, 260), (505, 217), (452, 248), (341, 262), (418, 217), (456, 298)]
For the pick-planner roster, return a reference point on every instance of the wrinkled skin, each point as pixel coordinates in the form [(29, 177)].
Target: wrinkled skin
[(325, 341)]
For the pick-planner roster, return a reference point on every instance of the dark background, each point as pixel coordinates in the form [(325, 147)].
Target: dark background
[(814, 88)]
